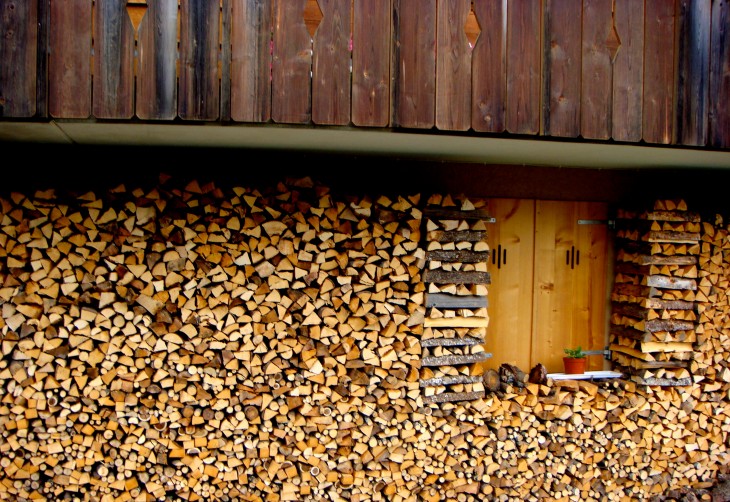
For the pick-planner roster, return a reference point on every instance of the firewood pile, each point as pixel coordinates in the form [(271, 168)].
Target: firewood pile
[(653, 322), (185, 342), (456, 321)]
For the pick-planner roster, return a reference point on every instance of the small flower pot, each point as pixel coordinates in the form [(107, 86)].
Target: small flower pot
[(575, 365)]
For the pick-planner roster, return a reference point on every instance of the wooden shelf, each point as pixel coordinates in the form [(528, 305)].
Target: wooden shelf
[(588, 375)]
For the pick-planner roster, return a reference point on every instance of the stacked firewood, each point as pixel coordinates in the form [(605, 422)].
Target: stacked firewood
[(653, 321), (456, 277), (711, 363), (182, 342)]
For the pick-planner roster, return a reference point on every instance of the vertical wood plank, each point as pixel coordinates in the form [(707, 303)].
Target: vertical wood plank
[(18, 51), (251, 60), (415, 63), (553, 286), (524, 74), (596, 78), (590, 295), (693, 60), (489, 67), (658, 72), (371, 46), (628, 71), (156, 97), (199, 85), (719, 122), (113, 83), (511, 241), (331, 64), (44, 21), (562, 68), (225, 101), (69, 69), (331, 82), (292, 64), (453, 67)]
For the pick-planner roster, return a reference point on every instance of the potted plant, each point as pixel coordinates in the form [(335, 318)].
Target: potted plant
[(575, 361)]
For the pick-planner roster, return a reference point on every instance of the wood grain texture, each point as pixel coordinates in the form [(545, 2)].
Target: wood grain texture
[(113, 83), (199, 84), (156, 94), (562, 69), (415, 63), (251, 60), (331, 64), (628, 72), (371, 48), (596, 71), (693, 57), (590, 281), (569, 286), (69, 70), (292, 64), (488, 63), (18, 55), (453, 67), (511, 241), (523, 67), (658, 72), (719, 120)]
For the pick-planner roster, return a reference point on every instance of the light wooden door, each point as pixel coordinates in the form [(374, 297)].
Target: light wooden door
[(511, 243), (569, 302), (548, 281)]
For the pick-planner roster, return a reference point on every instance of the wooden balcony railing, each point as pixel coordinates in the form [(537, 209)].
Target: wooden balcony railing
[(654, 72)]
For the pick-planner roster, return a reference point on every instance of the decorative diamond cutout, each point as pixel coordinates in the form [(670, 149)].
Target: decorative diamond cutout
[(472, 28), (136, 10), (613, 42), (312, 16)]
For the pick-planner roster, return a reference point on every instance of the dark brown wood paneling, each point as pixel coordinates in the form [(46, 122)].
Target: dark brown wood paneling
[(113, 83), (719, 121), (658, 72), (628, 71), (157, 62), (562, 68), (599, 45), (199, 86), (371, 48), (292, 64), (693, 68), (225, 101), (251, 60), (415, 63), (18, 50), (69, 69), (453, 67), (488, 87), (523, 67), (331, 64)]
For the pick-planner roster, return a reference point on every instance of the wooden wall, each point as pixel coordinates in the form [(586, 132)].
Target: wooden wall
[(655, 72)]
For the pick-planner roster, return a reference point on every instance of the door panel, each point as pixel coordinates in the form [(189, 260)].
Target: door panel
[(511, 245), (548, 286)]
